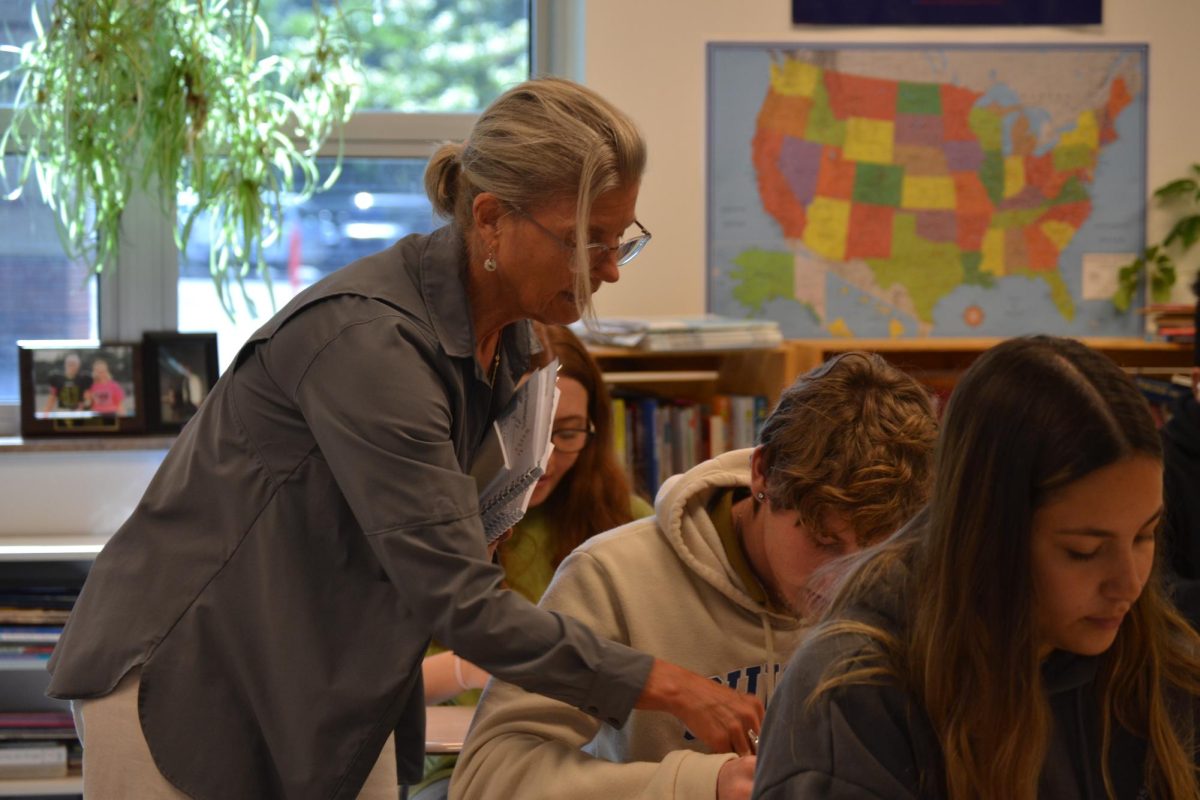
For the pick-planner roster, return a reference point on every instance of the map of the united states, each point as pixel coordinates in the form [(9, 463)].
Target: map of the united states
[(909, 190)]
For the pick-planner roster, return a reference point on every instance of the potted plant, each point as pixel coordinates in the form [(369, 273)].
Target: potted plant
[(1158, 261), (183, 97)]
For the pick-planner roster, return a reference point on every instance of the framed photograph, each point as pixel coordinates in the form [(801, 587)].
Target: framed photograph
[(75, 387), (181, 369)]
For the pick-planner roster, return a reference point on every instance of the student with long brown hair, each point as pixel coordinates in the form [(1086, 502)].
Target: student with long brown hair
[(1014, 640), (585, 489)]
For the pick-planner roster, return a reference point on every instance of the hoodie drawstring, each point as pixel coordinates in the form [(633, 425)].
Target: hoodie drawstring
[(772, 676)]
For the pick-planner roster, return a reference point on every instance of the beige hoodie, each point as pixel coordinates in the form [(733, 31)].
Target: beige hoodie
[(663, 585)]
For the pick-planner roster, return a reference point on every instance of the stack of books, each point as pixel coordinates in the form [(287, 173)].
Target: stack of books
[(673, 334), (28, 641), (31, 618), (37, 744), (1171, 322), (657, 438)]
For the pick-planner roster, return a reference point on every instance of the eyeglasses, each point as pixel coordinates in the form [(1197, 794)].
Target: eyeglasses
[(572, 440), (626, 251)]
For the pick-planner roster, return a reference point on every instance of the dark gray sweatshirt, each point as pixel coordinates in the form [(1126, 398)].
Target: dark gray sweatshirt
[(865, 742)]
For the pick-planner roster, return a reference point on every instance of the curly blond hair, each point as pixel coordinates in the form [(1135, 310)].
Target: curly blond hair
[(853, 436)]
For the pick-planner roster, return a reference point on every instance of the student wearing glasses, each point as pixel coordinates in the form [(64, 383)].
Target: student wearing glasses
[(718, 581), (256, 627), (1015, 641), (584, 491)]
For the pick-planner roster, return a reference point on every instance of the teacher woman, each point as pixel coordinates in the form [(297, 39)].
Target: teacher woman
[(256, 628)]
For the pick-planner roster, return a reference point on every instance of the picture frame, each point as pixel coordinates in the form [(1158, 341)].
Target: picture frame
[(181, 369), (74, 387)]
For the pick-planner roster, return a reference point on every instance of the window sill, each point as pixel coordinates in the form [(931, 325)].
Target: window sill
[(69, 444)]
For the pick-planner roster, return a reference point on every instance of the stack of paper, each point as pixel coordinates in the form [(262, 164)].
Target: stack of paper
[(515, 453), (664, 334)]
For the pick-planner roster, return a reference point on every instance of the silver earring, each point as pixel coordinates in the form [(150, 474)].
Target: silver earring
[(761, 496), (490, 263)]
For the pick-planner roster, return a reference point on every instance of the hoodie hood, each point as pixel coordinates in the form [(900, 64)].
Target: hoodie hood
[(681, 509)]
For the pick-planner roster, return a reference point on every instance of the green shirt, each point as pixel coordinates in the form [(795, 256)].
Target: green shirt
[(529, 554)]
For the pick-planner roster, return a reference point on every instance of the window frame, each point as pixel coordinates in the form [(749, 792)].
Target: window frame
[(141, 293)]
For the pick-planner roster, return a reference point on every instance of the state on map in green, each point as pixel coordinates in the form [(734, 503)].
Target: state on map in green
[(762, 276), (878, 184), (919, 98)]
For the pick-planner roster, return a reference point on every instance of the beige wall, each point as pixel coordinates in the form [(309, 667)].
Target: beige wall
[(648, 56)]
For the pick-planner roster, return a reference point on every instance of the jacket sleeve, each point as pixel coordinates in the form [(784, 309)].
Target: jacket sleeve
[(375, 398), (855, 742), (526, 746)]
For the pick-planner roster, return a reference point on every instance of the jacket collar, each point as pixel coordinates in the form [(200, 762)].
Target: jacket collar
[(443, 279), (443, 276)]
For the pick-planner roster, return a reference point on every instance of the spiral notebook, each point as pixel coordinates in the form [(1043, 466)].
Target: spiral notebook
[(515, 453)]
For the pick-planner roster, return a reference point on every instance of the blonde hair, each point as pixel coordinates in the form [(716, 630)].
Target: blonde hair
[(544, 140), (967, 652)]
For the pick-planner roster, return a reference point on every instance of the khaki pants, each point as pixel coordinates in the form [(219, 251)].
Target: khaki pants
[(117, 763)]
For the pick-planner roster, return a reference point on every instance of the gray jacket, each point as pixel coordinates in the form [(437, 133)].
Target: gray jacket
[(311, 529)]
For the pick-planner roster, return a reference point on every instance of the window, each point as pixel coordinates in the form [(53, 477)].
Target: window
[(374, 203), (429, 67), (43, 294)]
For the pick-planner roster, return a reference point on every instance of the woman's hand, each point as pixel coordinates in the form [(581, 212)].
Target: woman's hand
[(717, 716)]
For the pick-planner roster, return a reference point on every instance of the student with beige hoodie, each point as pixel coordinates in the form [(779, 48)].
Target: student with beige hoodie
[(717, 581)]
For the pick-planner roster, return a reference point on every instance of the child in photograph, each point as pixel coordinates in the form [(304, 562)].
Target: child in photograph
[(68, 388), (1014, 641), (105, 395)]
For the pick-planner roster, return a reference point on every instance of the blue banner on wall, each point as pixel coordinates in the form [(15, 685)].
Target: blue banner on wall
[(946, 12)]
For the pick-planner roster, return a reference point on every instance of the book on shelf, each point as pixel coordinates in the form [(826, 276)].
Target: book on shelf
[(1171, 322), (36, 744), (675, 333), (33, 616), (33, 759), (38, 725), (515, 452), (30, 634)]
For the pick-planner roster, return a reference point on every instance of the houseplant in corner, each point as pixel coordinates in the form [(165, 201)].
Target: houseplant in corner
[(1158, 261), (182, 97)]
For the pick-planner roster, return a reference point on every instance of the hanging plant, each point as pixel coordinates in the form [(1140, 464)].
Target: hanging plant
[(182, 96)]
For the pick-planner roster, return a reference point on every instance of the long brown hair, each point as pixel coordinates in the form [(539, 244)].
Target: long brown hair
[(1031, 416), (594, 495)]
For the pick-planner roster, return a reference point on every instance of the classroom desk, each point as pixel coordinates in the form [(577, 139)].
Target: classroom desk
[(446, 728), (445, 731)]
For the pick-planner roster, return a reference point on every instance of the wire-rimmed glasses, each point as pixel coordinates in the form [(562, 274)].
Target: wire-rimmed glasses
[(626, 251)]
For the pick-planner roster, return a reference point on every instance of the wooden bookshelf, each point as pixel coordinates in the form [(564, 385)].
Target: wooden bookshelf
[(944, 358), (700, 374)]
